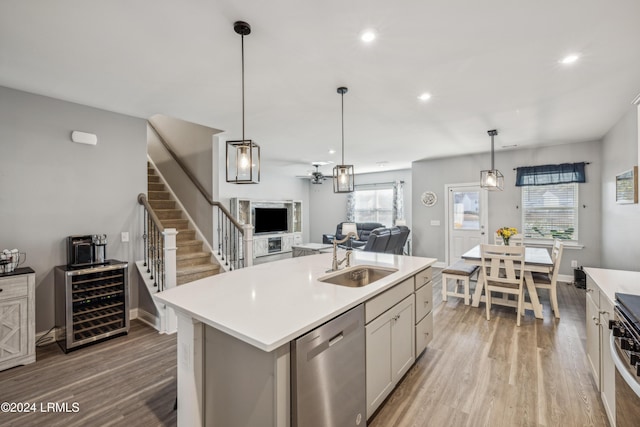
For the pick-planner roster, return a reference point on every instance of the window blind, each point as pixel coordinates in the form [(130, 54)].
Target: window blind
[(550, 211)]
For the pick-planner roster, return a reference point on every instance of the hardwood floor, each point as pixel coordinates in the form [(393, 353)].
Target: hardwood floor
[(474, 373), (129, 380), (492, 373)]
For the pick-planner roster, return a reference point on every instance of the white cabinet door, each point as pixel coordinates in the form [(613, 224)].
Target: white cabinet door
[(593, 338), (403, 338), (608, 369), (390, 351), (378, 361), (13, 329)]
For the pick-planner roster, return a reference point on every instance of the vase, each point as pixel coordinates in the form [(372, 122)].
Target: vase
[(506, 241)]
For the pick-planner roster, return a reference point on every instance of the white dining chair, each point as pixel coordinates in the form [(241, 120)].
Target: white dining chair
[(501, 272), (549, 280)]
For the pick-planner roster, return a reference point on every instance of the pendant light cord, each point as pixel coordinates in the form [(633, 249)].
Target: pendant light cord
[(342, 98), (242, 48), (492, 165)]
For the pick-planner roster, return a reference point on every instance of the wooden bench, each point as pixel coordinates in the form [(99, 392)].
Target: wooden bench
[(460, 272)]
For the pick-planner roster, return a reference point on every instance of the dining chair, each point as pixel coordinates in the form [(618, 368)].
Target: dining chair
[(549, 280), (501, 272)]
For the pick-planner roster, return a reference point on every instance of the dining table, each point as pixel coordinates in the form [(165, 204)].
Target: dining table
[(536, 259)]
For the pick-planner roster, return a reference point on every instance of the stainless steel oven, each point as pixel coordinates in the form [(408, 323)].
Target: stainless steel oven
[(625, 351)]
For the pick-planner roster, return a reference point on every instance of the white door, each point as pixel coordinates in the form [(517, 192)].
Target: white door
[(466, 219)]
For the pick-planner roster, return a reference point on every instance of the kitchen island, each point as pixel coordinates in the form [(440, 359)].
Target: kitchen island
[(235, 329)]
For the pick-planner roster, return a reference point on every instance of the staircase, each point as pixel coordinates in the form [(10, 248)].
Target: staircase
[(192, 262)]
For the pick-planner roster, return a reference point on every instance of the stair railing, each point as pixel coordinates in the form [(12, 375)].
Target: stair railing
[(159, 248), (234, 240)]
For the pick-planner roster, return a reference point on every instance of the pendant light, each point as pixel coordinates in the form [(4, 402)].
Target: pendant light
[(343, 176), (492, 179), (243, 156)]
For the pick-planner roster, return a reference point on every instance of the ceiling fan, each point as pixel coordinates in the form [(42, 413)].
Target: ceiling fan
[(316, 176)]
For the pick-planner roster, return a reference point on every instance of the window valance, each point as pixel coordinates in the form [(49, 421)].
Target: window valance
[(550, 174)]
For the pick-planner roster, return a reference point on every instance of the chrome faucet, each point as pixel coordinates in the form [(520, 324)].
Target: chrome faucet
[(336, 264)]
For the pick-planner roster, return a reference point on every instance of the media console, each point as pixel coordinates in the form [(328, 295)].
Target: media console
[(273, 233)]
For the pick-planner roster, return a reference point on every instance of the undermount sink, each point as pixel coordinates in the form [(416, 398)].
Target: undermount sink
[(358, 276)]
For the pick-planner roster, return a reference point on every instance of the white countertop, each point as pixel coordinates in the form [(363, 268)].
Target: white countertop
[(270, 304), (612, 281)]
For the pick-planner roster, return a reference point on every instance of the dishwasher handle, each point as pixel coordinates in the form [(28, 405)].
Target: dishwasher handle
[(336, 339), (316, 349)]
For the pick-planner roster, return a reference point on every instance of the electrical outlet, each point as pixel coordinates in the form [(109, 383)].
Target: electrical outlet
[(574, 263), (124, 236)]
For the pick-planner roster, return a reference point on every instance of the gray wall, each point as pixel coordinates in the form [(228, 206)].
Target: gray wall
[(52, 188), (194, 145), (328, 208), (621, 223), (503, 209)]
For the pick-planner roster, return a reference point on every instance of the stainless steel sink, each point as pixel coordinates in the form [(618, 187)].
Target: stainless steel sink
[(358, 276)]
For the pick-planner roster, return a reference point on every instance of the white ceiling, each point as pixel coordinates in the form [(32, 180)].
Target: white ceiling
[(488, 64)]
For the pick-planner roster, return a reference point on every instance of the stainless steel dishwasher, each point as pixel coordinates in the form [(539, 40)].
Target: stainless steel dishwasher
[(328, 374)]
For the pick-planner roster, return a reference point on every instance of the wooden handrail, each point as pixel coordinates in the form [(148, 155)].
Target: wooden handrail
[(142, 199), (195, 181)]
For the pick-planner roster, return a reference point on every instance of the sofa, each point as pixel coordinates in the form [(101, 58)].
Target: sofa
[(376, 239), (364, 230)]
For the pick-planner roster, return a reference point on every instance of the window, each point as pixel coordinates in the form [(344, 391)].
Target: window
[(550, 211), (374, 205)]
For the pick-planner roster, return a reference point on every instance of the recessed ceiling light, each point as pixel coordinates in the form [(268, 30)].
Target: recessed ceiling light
[(570, 59), (332, 151), (368, 36), (424, 96)]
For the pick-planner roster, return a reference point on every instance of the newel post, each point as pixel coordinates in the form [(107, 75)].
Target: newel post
[(247, 244), (170, 249)]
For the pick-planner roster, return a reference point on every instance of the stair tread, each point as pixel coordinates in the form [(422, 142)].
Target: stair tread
[(183, 271), (190, 242), (182, 257)]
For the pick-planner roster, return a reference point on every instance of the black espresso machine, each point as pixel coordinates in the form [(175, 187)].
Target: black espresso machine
[(90, 249)]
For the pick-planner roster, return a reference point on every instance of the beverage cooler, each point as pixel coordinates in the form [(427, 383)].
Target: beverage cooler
[(92, 303)]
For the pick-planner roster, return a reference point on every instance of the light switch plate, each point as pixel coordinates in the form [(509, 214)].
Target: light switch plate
[(124, 236), (435, 222)]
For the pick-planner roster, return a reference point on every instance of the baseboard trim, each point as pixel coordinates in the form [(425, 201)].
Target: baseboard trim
[(145, 317), (47, 337)]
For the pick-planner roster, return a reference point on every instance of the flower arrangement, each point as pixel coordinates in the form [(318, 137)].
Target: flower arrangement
[(506, 233)]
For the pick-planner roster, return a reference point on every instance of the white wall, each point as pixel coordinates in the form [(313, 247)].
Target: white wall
[(194, 145), (504, 206), (621, 223), (51, 188), (328, 208)]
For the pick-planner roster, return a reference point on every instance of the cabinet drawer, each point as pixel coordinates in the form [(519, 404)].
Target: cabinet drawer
[(13, 287), (424, 301), (424, 277), (383, 302), (593, 291), (424, 333)]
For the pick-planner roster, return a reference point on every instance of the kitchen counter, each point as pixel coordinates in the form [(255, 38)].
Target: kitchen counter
[(270, 304), (612, 281)]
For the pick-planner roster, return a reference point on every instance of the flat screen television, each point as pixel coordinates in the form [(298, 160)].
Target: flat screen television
[(270, 220)]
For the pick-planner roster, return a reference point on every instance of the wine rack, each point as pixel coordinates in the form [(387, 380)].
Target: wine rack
[(92, 303)]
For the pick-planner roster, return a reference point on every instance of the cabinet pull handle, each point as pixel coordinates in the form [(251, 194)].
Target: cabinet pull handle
[(0, 289), (589, 289), (595, 320)]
